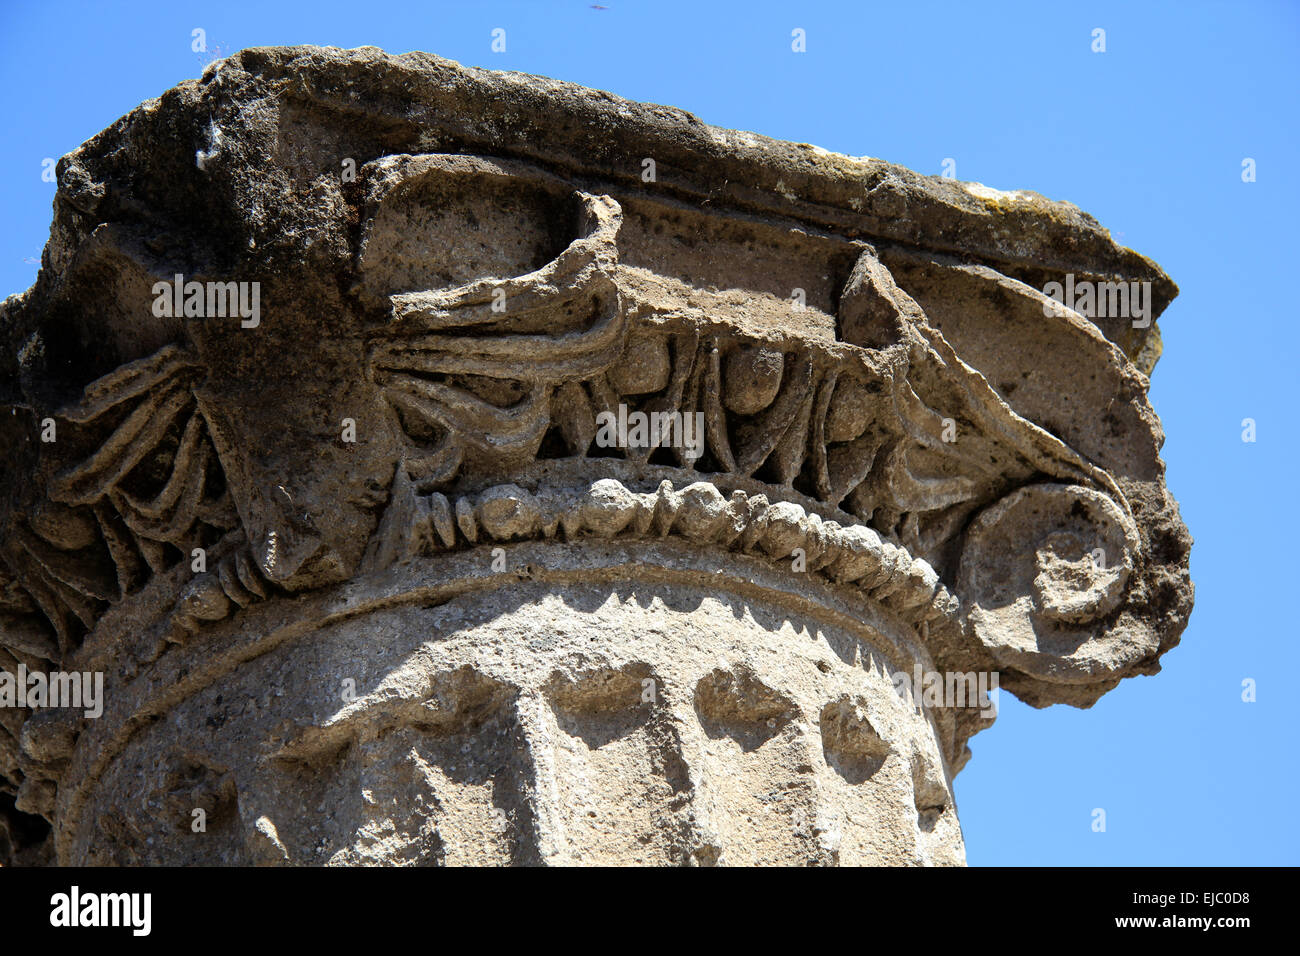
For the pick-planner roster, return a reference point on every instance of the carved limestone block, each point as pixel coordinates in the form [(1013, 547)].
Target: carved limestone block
[(424, 485)]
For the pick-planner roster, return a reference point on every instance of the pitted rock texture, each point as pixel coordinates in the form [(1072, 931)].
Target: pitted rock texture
[(431, 485)]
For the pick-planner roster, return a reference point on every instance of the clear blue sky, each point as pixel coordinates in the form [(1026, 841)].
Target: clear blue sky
[(1149, 137)]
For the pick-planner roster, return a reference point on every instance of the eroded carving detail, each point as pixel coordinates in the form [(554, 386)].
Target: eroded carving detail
[(482, 306)]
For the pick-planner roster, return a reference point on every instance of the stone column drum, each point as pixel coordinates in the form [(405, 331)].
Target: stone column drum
[(442, 466)]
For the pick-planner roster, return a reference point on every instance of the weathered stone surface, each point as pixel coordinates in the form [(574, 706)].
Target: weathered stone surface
[(400, 566)]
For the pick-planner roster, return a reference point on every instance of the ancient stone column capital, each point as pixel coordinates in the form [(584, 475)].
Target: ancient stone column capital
[(441, 465)]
